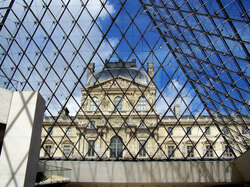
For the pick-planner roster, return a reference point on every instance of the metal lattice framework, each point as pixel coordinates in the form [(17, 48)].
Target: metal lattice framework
[(200, 51)]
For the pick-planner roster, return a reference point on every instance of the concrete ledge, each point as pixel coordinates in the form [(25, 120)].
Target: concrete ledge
[(150, 172)]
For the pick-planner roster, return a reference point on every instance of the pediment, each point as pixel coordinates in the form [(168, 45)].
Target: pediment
[(118, 82)]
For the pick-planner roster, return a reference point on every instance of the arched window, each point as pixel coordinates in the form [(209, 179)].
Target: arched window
[(116, 147), (142, 104), (93, 103), (118, 103)]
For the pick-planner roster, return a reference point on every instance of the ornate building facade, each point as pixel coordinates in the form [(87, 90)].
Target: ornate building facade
[(118, 120)]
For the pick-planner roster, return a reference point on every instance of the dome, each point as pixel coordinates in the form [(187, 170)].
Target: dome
[(108, 73)]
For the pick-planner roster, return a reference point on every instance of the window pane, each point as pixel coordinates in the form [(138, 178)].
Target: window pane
[(50, 131), (209, 151), (142, 104), (66, 150), (91, 149), (244, 130), (68, 131), (116, 147), (207, 130), (48, 149), (170, 130), (170, 151), (94, 103), (190, 151), (118, 103), (142, 148), (188, 130)]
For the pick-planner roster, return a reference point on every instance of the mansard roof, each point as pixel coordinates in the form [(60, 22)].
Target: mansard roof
[(127, 70)]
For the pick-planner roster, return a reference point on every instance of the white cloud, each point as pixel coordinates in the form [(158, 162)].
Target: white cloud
[(170, 94), (59, 37)]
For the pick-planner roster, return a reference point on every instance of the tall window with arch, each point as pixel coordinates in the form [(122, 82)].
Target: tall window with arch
[(93, 103), (142, 104), (116, 147), (118, 103)]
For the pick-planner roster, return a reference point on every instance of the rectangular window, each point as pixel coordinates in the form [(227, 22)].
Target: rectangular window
[(225, 130), (92, 124), (142, 148), (209, 151), (91, 149), (93, 103), (66, 150), (142, 104), (48, 149), (170, 151), (170, 131), (50, 131), (244, 130), (188, 130), (207, 130), (228, 152), (190, 151), (68, 131), (118, 103)]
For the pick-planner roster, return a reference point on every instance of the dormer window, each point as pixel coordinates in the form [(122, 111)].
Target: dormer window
[(142, 104), (118, 103), (93, 103)]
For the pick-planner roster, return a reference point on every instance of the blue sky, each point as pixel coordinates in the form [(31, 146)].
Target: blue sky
[(77, 50)]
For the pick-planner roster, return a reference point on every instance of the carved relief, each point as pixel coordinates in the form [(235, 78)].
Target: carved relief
[(105, 103)]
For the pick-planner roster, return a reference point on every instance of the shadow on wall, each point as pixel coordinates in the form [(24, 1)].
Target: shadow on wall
[(22, 112), (2, 132)]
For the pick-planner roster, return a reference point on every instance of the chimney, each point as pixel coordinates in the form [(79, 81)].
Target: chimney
[(91, 70), (150, 69), (177, 110)]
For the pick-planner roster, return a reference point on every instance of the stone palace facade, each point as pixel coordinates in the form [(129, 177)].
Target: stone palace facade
[(118, 119)]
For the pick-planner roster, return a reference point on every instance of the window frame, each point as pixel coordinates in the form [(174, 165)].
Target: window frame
[(209, 151), (68, 131), (116, 147), (227, 151), (118, 103), (91, 148), (190, 151), (225, 130), (48, 153), (244, 130), (65, 151), (142, 148), (170, 131), (171, 150), (142, 104), (189, 132), (94, 102), (207, 131), (92, 125), (50, 131)]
